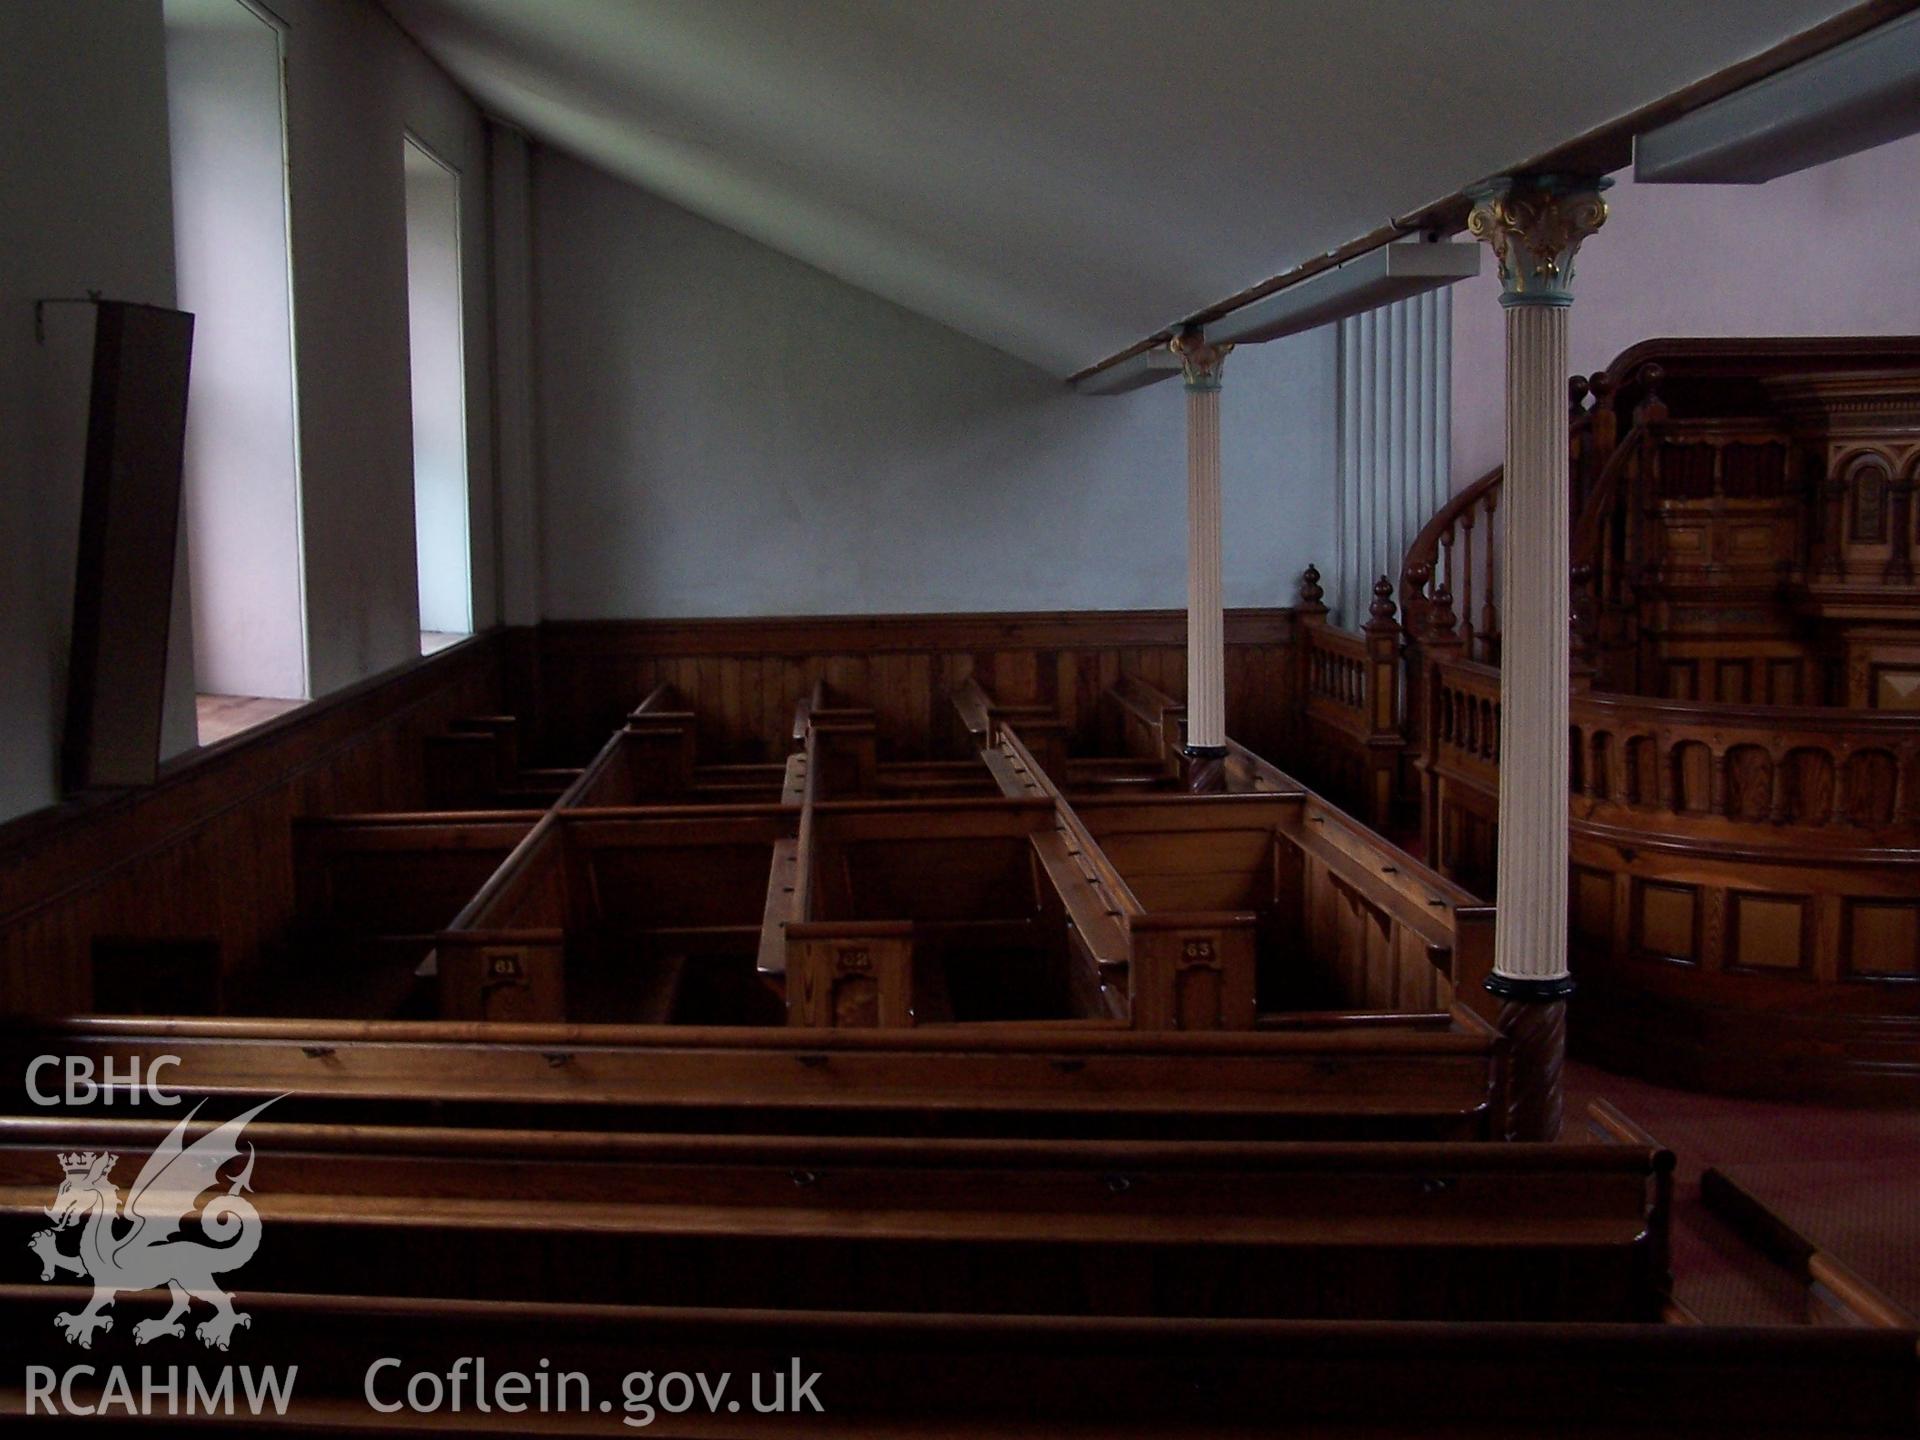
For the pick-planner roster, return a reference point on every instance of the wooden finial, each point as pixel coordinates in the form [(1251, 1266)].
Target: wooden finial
[(1651, 406), (1312, 596), (1382, 608), (1441, 621)]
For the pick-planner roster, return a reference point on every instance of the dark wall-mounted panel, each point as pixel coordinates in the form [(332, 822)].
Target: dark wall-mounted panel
[(129, 520)]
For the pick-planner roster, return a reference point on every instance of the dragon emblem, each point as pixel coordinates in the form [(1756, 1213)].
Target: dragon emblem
[(137, 1247)]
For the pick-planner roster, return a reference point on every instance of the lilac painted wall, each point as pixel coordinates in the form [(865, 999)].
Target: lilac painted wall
[(1826, 252)]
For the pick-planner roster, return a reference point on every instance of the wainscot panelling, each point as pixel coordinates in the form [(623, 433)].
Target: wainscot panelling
[(743, 677), (203, 858)]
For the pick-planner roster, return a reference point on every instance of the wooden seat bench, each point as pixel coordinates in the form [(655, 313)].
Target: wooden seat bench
[(1286, 900), (614, 915), (885, 1374), (370, 894), (476, 763), (1089, 1078), (1469, 1232)]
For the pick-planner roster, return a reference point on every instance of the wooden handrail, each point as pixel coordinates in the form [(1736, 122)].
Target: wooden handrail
[(1588, 526), (585, 1037), (1425, 550), (1849, 1292)]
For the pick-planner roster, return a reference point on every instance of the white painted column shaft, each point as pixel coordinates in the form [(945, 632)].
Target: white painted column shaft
[(1530, 935), (1206, 649)]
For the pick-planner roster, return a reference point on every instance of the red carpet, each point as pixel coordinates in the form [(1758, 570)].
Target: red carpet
[(1848, 1180)]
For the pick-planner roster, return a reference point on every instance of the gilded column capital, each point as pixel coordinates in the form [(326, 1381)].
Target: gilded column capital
[(1200, 362), (1535, 224)]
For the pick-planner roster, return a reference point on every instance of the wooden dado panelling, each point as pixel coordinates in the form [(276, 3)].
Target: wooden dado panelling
[(1748, 974), (205, 856), (743, 677), (1745, 886)]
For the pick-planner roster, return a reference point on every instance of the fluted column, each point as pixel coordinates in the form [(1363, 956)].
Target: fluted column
[(1206, 740), (1535, 225)]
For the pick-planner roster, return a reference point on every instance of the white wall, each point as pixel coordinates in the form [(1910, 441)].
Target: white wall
[(726, 431), (230, 221), (355, 86), (86, 204), (83, 103), (1829, 251), (440, 500), (516, 493)]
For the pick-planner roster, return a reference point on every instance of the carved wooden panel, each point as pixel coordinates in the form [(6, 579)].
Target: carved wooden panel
[(1692, 766), (1667, 921), (1895, 687), (862, 978), (1749, 783), (1871, 779), (513, 983), (1866, 480), (1783, 683), (1593, 907), (1882, 939), (1643, 771), (1187, 974), (1770, 932), (1810, 787)]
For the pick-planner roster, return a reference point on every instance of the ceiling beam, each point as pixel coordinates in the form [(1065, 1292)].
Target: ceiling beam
[(1599, 151), (1856, 96)]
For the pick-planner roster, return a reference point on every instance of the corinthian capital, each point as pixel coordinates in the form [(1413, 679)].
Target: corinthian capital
[(1200, 362), (1535, 224)]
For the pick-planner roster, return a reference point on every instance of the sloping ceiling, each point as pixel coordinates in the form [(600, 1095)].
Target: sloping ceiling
[(1062, 177)]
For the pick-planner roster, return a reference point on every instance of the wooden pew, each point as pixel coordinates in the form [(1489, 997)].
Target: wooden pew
[(396, 874), (843, 741), (1411, 1080), (889, 1374), (910, 912), (984, 719), (1341, 1231), (370, 894), (655, 759), (842, 744), (1382, 929), (1191, 889), (611, 914), (476, 763)]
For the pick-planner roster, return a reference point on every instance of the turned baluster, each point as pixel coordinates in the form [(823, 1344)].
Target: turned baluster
[(1442, 629), (1312, 611), (1489, 612), (1603, 425), (1383, 657), (1584, 626), (1466, 570), (1579, 450), (1413, 598)]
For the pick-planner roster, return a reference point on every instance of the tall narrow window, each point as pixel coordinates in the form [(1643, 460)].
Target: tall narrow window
[(439, 398), (227, 129)]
